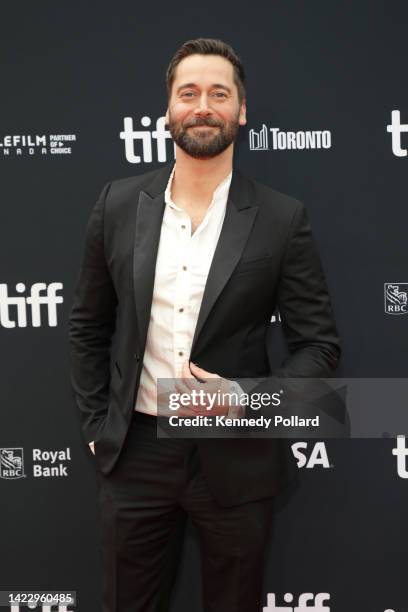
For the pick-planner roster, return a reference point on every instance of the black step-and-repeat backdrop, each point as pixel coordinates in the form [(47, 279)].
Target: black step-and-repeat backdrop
[(83, 101)]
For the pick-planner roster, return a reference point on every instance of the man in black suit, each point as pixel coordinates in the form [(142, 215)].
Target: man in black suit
[(182, 270)]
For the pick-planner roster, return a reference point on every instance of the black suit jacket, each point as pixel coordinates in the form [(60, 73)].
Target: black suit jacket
[(265, 258)]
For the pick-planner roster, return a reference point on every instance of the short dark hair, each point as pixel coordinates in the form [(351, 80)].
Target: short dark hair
[(208, 46)]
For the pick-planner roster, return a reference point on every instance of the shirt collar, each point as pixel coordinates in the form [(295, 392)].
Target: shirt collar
[(219, 193)]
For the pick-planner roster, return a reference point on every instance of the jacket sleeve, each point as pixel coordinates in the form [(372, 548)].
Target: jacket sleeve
[(307, 319), (91, 327), (305, 307)]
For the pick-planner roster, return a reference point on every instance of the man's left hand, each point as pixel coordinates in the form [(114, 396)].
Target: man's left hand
[(212, 383)]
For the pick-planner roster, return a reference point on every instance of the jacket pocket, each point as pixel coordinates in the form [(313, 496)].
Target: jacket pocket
[(118, 369), (252, 265)]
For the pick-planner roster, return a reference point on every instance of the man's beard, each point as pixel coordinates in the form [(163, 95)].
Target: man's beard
[(203, 144)]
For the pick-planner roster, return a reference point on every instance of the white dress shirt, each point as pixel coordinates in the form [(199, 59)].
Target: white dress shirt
[(182, 266)]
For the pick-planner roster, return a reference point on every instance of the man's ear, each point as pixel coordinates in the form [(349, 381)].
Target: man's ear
[(242, 113), (167, 116)]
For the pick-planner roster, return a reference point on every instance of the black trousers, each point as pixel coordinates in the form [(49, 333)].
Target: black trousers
[(140, 502)]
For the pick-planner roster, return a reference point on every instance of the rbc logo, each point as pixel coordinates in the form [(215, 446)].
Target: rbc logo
[(396, 298), (401, 452), (160, 135), (11, 463), (35, 300), (302, 606)]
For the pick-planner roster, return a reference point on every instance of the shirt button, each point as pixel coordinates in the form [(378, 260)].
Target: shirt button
[(184, 268), (180, 353), (183, 227), (181, 309)]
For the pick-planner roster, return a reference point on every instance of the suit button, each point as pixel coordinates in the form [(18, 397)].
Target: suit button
[(135, 356)]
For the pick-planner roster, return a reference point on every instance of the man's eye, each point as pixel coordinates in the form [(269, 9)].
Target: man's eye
[(189, 94)]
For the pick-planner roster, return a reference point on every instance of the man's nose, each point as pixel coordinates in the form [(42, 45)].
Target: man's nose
[(202, 107)]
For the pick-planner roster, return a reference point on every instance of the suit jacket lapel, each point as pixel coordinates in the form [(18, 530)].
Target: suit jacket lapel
[(239, 217), (149, 217)]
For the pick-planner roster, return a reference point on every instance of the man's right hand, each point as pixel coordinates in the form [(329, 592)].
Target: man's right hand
[(92, 446)]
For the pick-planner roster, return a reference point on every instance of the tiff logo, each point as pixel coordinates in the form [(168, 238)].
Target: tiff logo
[(160, 135), (395, 128), (401, 452), (302, 605), (34, 301)]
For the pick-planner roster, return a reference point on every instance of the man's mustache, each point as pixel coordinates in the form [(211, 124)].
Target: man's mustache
[(201, 122)]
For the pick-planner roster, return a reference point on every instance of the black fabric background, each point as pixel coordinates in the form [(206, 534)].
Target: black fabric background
[(80, 69)]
